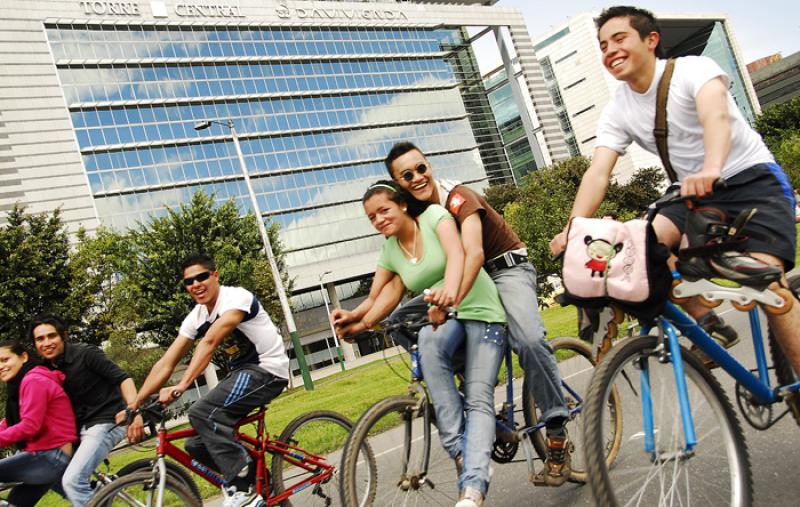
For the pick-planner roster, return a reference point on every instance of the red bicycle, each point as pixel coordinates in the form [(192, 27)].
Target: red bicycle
[(304, 464)]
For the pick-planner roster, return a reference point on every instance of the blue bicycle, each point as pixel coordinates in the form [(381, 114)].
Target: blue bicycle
[(682, 441), (412, 469)]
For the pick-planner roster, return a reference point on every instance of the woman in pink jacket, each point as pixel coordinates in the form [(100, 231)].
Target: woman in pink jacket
[(39, 421)]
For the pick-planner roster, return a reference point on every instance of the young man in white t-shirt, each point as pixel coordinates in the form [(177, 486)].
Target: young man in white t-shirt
[(708, 139), (232, 320)]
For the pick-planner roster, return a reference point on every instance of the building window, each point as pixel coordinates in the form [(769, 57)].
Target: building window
[(572, 53), (547, 69), (583, 110), (576, 83), (558, 35)]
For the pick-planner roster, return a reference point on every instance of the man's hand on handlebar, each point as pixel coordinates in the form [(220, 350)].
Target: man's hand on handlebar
[(437, 316), (135, 423), (169, 394), (700, 184)]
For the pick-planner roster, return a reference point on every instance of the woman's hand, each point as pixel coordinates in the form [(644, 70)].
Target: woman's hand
[(440, 297)]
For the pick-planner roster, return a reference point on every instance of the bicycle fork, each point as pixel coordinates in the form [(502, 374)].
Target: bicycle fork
[(668, 351)]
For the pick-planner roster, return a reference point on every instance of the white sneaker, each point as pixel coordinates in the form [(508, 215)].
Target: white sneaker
[(470, 497), (235, 498)]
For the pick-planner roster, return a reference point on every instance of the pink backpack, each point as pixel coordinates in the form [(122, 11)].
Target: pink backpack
[(608, 261)]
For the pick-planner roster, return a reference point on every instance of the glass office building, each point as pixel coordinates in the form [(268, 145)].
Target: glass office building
[(105, 96)]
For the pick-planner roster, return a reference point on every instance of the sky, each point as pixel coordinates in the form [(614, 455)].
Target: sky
[(761, 27)]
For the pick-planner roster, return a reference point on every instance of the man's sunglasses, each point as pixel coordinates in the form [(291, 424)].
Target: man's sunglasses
[(408, 175), (200, 277)]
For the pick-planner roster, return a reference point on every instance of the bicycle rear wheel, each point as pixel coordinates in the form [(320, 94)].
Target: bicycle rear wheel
[(139, 489), (322, 433), (410, 468), (576, 365), (715, 472)]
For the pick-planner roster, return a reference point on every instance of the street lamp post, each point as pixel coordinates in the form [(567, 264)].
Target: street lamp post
[(287, 312), (330, 323)]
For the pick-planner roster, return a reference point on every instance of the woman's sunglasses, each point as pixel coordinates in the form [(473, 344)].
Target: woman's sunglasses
[(408, 175), (200, 277)]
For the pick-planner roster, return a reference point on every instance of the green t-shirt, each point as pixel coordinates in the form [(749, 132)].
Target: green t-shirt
[(482, 303)]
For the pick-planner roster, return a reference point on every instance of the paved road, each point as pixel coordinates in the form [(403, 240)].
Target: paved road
[(774, 454), (774, 457)]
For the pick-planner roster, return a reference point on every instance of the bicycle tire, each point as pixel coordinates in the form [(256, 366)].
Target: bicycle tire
[(138, 489), (576, 370), (784, 372), (716, 473), (407, 470), (173, 469), (321, 432)]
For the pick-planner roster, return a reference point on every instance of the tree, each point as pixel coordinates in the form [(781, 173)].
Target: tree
[(149, 291), (779, 125), (545, 202), (778, 121), (34, 274), (499, 196)]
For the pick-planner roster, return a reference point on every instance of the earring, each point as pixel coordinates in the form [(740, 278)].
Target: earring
[(405, 210)]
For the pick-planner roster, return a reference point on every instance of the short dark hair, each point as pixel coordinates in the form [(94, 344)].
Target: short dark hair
[(397, 151), (202, 259), (641, 20), (16, 347), (414, 207), (51, 319)]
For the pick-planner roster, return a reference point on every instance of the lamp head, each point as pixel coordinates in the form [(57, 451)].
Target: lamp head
[(202, 125)]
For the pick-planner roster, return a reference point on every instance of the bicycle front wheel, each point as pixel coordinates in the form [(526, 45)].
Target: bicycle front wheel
[(140, 489), (576, 366), (715, 472), (409, 468), (320, 433), (173, 469)]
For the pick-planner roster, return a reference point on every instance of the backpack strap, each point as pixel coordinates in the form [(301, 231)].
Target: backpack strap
[(660, 130)]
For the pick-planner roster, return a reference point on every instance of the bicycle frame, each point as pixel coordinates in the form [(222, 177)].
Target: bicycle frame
[(508, 425), (257, 447), (757, 384)]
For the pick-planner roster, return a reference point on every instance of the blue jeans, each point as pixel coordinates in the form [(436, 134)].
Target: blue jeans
[(96, 443), (466, 426), (38, 470), (517, 288)]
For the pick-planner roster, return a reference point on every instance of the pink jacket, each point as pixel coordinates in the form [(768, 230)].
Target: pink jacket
[(45, 412)]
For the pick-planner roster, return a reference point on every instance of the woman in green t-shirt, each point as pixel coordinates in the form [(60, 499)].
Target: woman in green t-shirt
[(424, 249)]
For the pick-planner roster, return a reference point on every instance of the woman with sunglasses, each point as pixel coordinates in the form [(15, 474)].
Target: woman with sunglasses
[(424, 249), (39, 422)]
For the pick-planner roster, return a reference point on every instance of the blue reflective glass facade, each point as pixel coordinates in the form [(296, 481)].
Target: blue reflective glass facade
[(316, 111)]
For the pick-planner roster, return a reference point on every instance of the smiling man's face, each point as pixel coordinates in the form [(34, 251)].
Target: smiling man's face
[(201, 284), (412, 171), (626, 55)]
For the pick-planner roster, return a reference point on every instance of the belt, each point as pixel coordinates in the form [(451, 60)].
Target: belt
[(507, 260)]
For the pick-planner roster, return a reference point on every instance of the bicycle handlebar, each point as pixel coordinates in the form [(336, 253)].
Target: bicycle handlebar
[(674, 196)]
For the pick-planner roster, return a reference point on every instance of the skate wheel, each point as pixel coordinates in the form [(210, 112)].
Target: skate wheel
[(709, 303), (746, 307), (788, 299), (672, 296)]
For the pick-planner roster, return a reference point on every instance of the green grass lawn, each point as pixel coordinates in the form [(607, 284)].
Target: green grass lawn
[(350, 393)]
